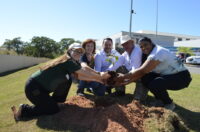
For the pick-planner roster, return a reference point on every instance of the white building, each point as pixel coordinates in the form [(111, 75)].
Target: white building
[(163, 39), (178, 37), (191, 43)]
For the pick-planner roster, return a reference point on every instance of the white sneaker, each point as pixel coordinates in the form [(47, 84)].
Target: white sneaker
[(81, 94), (171, 106)]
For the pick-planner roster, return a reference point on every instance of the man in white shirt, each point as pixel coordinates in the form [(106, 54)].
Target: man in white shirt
[(131, 59), (132, 56), (106, 57)]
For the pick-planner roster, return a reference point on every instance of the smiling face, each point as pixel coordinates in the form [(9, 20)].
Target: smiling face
[(107, 46), (128, 46), (89, 48), (146, 47), (76, 54)]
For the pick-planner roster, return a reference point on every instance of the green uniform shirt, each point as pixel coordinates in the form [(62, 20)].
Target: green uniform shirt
[(56, 75)]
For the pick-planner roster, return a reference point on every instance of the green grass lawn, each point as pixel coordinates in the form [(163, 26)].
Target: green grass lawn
[(12, 93)]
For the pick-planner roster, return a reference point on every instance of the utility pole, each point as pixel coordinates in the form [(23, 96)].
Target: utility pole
[(156, 18), (131, 12)]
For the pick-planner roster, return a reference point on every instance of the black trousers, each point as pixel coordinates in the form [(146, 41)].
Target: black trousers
[(159, 84), (44, 104)]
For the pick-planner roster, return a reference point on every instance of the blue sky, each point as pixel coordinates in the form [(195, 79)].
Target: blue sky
[(81, 19)]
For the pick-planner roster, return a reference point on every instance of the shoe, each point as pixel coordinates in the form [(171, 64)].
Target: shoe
[(81, 94), (171, 106), (89, 90), (17, 114), (157, 103)]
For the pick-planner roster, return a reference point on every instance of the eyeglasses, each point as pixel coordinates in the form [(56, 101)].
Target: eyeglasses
[(78, 52)]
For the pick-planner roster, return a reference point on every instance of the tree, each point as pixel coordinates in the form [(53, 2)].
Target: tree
[(186, 50), (65, 43), (7, 44), (78, 41), (30, 50), (39, 46), (43, 47), (15, 44)]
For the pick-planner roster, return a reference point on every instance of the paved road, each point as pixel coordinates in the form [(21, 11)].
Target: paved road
[(194, 68)]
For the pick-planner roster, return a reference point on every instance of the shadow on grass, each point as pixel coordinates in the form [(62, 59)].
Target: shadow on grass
[(13, 71), (56, 124), (192, 119)]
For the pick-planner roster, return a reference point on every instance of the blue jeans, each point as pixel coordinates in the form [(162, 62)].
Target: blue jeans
[(98, 88)]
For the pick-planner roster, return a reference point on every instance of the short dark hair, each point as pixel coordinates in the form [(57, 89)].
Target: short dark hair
[(145, 39), (108, 39)]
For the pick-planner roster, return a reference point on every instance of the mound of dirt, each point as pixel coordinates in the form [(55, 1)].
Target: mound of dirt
[(133, 117)]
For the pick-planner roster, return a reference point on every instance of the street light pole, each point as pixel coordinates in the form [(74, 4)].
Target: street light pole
[(156, 18), (131, 12)]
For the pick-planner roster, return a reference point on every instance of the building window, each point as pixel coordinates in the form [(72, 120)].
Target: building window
[(179, 39)]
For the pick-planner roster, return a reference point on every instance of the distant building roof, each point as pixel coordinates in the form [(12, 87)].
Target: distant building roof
[(168, 34)]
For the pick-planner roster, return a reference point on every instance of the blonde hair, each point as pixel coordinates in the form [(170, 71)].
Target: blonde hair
[(55, 62)]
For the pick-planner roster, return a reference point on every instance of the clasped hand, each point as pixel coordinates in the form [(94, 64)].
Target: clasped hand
[(111, 78)]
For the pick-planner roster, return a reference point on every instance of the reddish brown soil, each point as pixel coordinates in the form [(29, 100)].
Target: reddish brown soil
[(83, 113)]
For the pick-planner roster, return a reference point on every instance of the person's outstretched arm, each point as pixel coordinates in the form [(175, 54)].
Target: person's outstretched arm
[(134, 75), (88, 74)]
